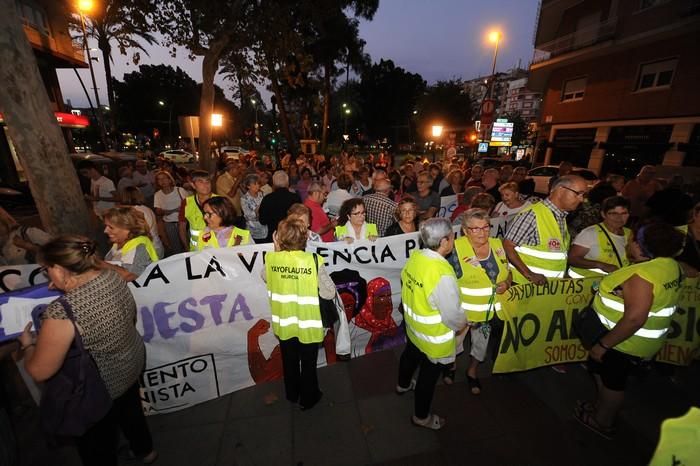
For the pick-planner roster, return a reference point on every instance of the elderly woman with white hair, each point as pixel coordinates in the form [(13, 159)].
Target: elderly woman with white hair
[(482, 273), (275, 205), (250, 204), (432, 314)]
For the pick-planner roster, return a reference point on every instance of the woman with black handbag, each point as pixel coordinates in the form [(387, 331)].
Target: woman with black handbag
[(635, 304), (89, 355)]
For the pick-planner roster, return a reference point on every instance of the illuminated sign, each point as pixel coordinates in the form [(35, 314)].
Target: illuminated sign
[(67, 120), (502, 132)]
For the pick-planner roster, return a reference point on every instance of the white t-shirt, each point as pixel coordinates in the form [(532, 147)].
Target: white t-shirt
[(144, 182), (334, 200), (102, 187), (501, 216), (152, 227), (588, 238), (169, 202)]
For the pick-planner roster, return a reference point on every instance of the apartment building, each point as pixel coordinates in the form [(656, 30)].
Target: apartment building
[(619, 83)]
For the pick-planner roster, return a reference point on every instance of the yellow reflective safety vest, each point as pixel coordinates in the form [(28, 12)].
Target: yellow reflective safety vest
[(292, 286), (680, 441), (133, 243), (341, 231), (424, 326), (475, 287), (549, 256), (606, 254), (211, 241), (195, 219), (665, 276)]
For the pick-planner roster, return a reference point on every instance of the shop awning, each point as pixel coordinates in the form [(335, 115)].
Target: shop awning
[(66, 120)]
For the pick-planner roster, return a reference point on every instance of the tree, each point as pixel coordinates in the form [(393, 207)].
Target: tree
[(336, 39), (35, 133), (388, 96), (208, 29), (123, 22), (446, 102)]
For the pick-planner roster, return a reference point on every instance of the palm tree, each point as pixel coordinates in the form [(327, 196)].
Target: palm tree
[(124, 23)]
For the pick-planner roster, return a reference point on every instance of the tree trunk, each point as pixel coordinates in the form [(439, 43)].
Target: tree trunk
[(326, 107), (103, 44), (210, 65), (284, 118), (33, 129)]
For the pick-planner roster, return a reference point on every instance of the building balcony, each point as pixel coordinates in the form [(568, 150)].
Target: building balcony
[(585, 37)]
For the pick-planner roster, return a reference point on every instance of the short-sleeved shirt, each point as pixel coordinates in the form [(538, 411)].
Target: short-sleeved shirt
[(380, 211), (588, 238), (424, 203), (105, 313), (102, 187), (523, 229)]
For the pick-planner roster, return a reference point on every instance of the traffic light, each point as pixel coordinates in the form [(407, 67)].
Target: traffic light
[(273, 141)]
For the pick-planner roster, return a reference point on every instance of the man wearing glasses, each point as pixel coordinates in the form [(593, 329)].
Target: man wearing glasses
[(537, 241)]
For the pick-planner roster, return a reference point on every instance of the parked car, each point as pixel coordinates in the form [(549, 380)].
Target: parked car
[(235, 152), (178, 156), (542, 175)]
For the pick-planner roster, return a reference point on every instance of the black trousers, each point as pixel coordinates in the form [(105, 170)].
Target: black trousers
[(299, 366), (98, 446), (411, 359)]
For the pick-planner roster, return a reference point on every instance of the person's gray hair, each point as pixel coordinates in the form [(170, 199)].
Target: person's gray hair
[(566, 181), (382, 185), (425, 174), (280, 179), (433, 230), (250, 179), (476, 214), (492, 171), (315, 186)]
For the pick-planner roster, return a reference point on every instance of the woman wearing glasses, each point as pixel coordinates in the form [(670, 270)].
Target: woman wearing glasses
[(351, 222), (220, 217), (482, 273), (602, 248)]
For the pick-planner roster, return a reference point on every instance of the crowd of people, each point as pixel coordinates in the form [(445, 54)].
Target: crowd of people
[(636, 236)]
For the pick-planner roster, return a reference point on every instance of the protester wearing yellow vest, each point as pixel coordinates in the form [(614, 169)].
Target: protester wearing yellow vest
[(602, 248), (132, 250), (294, 285), (537, 241), (432, 314), (220, 215), (191, 211), (351, 222), (636, 304), (482, 273)]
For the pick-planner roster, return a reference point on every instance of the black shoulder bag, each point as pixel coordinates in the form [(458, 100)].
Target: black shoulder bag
[(329, 313), (617, 255), (75, 398)]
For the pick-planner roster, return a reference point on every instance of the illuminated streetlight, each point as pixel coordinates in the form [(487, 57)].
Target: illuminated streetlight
[(85, 6), (161, 103), (345, 105), (494, 36), (217, 120), (347, 111), (437, 131)]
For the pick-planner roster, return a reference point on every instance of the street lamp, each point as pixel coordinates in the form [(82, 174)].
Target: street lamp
[(495, 38), (436, 132), (170, 119), (255, 104), (84, 7)]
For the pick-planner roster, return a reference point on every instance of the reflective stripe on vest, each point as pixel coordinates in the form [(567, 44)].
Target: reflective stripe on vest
[(663, 274), (543, 258), (424, 326), (573, 272), (292, 283), (476, 289)]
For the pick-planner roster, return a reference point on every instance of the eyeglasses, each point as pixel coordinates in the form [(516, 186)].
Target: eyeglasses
[(208, 214), (483, 229), (578, 193), (358, 213), (617, 214), (407, 211)]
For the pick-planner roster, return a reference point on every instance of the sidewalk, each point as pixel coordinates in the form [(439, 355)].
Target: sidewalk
[(520, 419)]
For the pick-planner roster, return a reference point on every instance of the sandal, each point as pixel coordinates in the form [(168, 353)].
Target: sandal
[(587, 419), (448, 376), (474, 385), (432, 422)]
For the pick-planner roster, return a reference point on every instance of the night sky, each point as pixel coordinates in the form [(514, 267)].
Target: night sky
[(439, 39)]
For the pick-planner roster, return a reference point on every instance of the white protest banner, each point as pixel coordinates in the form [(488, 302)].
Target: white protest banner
[(21, 306), (448, 204), (16, 277), (205, 316)]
